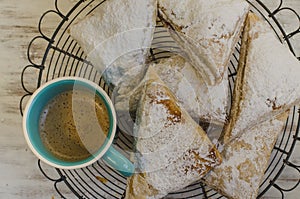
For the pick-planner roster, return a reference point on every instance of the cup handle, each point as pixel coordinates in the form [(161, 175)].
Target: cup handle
[(118, 161)]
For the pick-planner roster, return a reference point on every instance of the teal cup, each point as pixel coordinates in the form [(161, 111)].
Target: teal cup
[(31, 129)]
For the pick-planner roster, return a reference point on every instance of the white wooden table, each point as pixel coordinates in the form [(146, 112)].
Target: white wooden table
[(19, 174)]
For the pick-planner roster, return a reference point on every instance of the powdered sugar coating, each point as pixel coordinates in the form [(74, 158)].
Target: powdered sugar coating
[(116, 36), (269, 79), (171, 145), (200, 100), (245, 160), (204, 32)]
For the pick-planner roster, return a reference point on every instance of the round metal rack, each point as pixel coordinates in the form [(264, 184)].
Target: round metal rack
[(62, 56)]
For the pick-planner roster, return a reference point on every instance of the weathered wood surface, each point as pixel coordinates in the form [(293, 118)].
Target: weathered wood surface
[(19, 174)]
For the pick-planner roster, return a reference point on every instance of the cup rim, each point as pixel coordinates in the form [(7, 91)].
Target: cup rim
[(108, 142)]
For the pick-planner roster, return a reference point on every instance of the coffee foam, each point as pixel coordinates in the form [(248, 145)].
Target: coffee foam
[(74, 125)]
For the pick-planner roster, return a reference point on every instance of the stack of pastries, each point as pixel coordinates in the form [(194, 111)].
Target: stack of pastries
[(170, 97)]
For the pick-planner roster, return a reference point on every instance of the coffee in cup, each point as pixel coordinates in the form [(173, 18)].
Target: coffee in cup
[(74, 124), (70, 123)]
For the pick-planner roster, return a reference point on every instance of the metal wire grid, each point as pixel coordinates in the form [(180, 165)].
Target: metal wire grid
[(64, 57)]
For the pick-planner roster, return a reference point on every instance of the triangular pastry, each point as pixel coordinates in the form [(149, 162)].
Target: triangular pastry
[(267, 82), (245, 160), (170, 145), (203, 102), (117, 35), (207, 30)]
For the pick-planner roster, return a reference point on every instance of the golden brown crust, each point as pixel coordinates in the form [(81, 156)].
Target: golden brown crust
[(137, 187), (238, 93), (169, 103)]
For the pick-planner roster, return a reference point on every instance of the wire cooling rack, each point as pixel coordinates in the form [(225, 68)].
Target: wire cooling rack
[(62, 56)]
